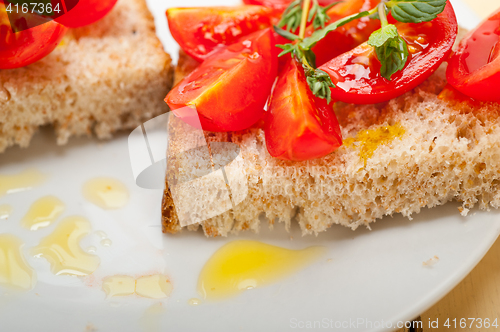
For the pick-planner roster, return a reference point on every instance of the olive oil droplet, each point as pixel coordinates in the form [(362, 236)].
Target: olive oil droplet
[(370, 139), (106, 193), (43, 213), (20, 182), (15, 272), (62, 248), (119, 286), (155, 287), (243, 265)]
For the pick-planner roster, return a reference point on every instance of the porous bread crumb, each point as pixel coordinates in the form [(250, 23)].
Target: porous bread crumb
[(108, 76), (449, 150), (463, 211)]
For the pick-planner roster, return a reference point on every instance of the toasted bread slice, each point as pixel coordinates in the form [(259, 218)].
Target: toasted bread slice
[(107, 76), (415, 151)]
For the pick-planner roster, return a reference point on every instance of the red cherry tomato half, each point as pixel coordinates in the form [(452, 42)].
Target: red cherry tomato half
[(356, 73), (348, 36), (199, 31), (280, 5), (85, 12), (298, 125), (230, 88), (25, 47), (474, 69)]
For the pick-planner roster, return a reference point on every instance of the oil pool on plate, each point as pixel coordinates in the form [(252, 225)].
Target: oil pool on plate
[(20, 182), (43, 213), (15, 273), (62, 248), (242, 265), (107, 193), (155, 286), (118, 286)]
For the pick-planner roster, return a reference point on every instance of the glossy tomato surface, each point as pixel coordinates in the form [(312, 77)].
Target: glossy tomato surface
[(199, 31), (85, 12), (356, 73), (474, 69), (298, 125), (280, 5), (230, 88), (25, 47), (347, 36)]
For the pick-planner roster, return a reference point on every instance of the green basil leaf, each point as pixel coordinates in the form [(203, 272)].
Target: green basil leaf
[(415, 11), (380, 37), (392, 51)]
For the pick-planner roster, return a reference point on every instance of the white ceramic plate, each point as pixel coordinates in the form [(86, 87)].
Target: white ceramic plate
[(367, 278)]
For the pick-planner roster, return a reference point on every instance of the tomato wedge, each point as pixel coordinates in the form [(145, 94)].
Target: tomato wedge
[(356, 73), (280, 5), (298, 125), (200, 31), (230, 88), (85, 12), (348, 36), (27, 46), (474, 69)]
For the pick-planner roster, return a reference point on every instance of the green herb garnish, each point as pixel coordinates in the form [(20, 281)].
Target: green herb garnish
[(390, 48)]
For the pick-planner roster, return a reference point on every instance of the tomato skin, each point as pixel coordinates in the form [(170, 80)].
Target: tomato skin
[(28, 46), (298, 125), (348, 36), (85, 12), (230, 88), (281, 5), (453, 96), (474, 69), (200, 31), (282, 60), (356, 73)]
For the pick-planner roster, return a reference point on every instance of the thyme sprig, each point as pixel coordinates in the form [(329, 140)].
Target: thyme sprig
[(291, 18)]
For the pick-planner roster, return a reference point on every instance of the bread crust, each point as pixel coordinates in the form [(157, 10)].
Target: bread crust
[(108, 76), (448, 149)]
